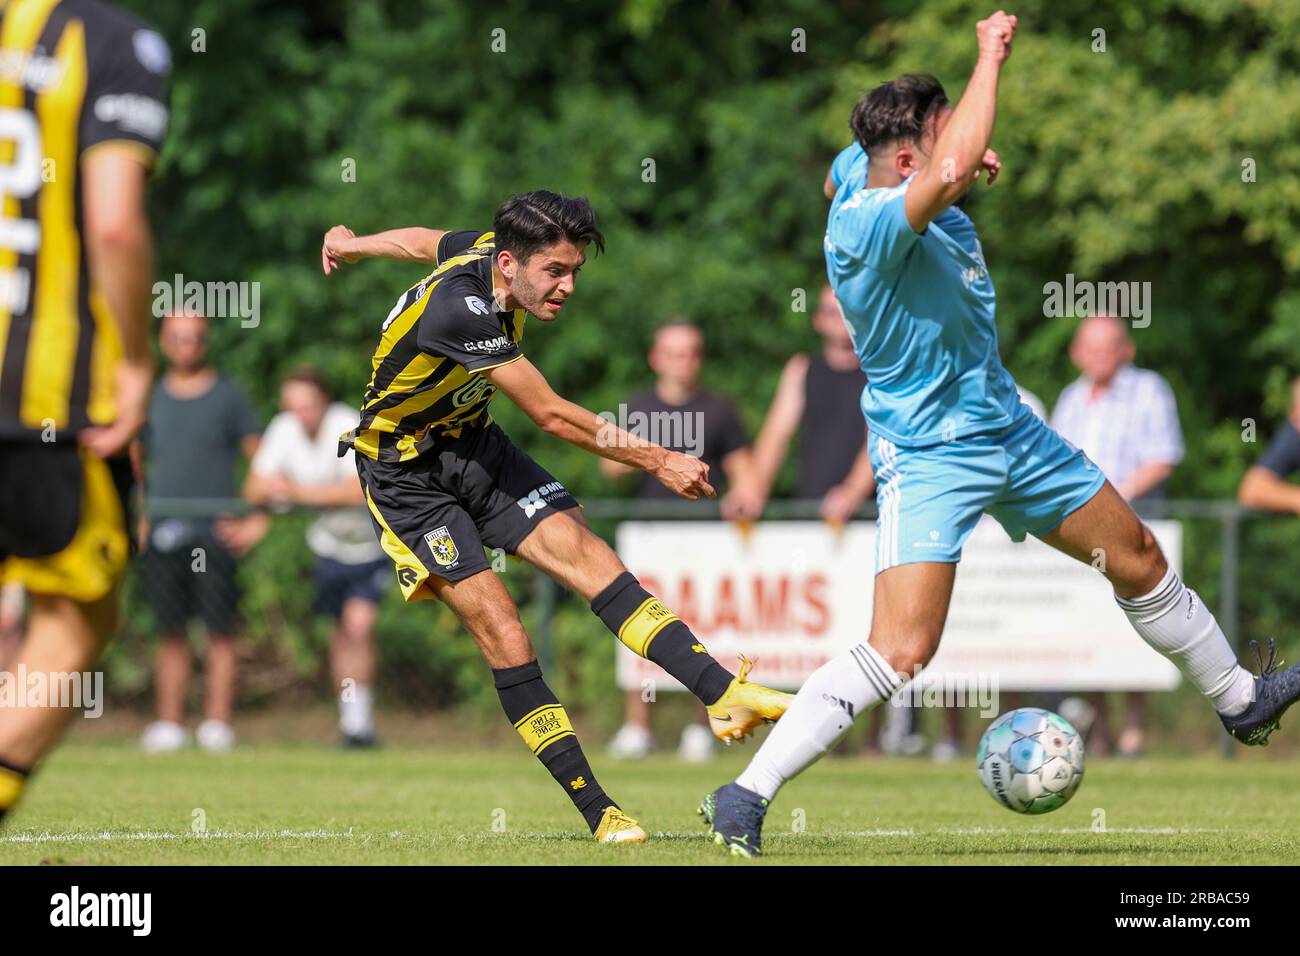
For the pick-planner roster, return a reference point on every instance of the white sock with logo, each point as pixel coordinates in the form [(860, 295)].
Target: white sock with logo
[(356, 711), (1175, 621), (838, 692)]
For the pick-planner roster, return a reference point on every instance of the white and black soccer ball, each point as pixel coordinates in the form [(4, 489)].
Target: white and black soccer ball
[(1031, 760)]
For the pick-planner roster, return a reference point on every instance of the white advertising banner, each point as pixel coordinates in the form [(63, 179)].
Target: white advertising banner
[(792, 595)]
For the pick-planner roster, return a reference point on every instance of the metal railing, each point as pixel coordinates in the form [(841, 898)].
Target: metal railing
[(604, 512)]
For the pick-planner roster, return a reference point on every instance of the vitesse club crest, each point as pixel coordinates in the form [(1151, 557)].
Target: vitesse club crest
[(443, 547)]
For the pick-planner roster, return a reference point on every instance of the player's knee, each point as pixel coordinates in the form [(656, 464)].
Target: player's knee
[(503, 640), (910, 651), (1143, 569)]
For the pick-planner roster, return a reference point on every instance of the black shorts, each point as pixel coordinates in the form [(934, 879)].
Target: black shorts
[(435, 514), (64, 519), (187, 573), (338, 582)]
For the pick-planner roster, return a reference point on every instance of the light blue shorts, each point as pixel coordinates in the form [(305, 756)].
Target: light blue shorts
[(929, 499)]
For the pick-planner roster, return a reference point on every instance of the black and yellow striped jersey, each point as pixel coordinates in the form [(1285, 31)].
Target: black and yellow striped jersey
[(443, 331), (74, 75)]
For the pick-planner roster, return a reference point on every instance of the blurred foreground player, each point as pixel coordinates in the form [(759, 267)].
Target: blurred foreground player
[(84, 119), (442, 481)]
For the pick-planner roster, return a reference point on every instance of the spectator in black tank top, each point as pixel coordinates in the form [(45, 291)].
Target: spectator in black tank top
[(819, 397), (1265, 484), (678, 414)]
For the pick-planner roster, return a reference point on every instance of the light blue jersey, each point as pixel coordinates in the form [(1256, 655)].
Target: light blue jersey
[(951, 440), (921, 310)]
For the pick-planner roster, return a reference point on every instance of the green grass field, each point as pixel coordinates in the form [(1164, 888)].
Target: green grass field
[(105, 803)]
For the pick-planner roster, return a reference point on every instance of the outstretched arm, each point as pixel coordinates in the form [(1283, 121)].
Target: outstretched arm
[(528, 388), (960, 151), (410, 244)]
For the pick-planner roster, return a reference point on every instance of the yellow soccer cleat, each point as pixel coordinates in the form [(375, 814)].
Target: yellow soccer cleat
[(739, 711), (617, 827)]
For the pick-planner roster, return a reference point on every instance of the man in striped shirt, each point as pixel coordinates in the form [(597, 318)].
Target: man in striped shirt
[(1125, 418)]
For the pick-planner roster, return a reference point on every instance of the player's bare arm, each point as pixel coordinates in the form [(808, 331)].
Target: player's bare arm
[(528, 388), (961, 148), (119, 248), (782, 421), (408, 244)]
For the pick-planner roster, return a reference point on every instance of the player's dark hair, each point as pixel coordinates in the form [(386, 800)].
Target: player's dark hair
[(312, 376), (897, 111), (534, 220)]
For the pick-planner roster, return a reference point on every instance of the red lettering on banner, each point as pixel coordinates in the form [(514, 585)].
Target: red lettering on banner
[(751, 606), (726, 614), (815, 595), (772, 610)]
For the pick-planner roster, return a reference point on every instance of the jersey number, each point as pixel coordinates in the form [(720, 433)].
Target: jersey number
[(20, 178)]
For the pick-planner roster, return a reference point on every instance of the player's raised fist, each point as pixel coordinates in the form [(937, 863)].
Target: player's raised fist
[(334, 251), (685, 476), (995, 35)]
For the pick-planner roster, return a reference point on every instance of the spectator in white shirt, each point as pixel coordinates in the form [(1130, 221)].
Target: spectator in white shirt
[(1126, 420), (298, 464)]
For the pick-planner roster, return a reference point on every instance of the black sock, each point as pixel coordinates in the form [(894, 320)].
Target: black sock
[(642, 622), (12, 780), (544, 725)]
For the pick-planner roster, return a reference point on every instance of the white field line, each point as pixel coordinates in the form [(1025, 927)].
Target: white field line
[(1034, 831), (159, 836), (272, 836)]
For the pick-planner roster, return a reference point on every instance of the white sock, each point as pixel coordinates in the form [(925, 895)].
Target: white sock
[(356, 716), (838, 692), (1175, 621)]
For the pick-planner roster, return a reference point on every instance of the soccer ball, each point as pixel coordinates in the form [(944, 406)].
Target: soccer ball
[(1031, 760)]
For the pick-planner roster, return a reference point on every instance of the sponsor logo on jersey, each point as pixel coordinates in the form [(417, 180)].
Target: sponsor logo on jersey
[(443, 547), (132, 113), (476, 388), (489, 346), (477, 305), (34, 71), (538, 498), (151, 50)]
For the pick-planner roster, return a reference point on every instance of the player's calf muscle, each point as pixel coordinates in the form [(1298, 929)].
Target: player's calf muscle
[(567, 550), (1140, 568), (1108, 534)]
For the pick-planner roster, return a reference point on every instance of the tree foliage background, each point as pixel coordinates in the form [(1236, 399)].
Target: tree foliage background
[(1125, 164)]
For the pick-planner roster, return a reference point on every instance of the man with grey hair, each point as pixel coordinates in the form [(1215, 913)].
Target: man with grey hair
[(1126, 419)]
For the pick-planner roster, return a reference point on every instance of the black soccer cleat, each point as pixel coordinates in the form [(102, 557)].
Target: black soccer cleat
[(1275, 691), (735, 818)]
